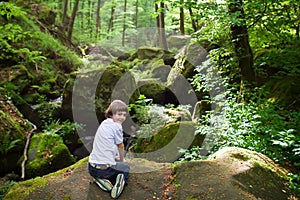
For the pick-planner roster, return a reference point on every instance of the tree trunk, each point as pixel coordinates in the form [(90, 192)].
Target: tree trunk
[(162, 38), (64, 15), (297, 24), (241, 41), (98, 24), (193, 21), (136, 13), (181, 18), (136, 21), (72, 20), (111, 20), (157, 24), (82, 17), (124, 23), (59, 6), (89, 25)]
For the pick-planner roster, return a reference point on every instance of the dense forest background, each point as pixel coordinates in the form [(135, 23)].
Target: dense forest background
[(253, 45)]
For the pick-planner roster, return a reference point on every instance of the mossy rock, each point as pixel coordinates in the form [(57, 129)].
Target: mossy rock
[(47, 153), (230, 174), (152, 89), (149, 53), (195, 55), (178, 41), (161, 72), (156, 53), (87, 95), (164, 145), (13, 129)]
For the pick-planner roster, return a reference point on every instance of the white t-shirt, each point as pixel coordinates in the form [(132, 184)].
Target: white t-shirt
[(108, 135)]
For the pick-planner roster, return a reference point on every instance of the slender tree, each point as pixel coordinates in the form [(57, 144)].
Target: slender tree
[(112, 15), (64, 15), (82, 16), (181, 18), (157, 23), (72, 20), (124, 22), (98, 22), (192, 16), (136, 13), (240, 40), (162, 37), (89, 21)]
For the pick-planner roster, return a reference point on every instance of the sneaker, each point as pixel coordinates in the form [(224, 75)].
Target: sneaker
[(118, 187), (104, 184)]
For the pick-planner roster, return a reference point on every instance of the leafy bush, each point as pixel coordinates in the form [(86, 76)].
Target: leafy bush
[(191, 154), (67, 131), (261, 128), (140, 108), (13, 36), (258, 127)]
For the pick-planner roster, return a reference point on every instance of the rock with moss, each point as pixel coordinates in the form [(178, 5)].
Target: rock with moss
[(149, 53), (164, 145), (47, 153), (178, 41), (231, 173), (161, 72), (13, 130), (88, 94), (153, 89), (157, 53)]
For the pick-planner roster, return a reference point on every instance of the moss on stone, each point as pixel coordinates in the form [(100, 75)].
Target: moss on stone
[(23, 189), (47, 153), (153, 90), (149, 53), (13, 129), (181, 133)]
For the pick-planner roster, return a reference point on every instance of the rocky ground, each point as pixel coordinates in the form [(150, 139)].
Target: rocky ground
[(231, 173)]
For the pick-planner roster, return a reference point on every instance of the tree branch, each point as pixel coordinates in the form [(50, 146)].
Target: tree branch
[(26, 149)]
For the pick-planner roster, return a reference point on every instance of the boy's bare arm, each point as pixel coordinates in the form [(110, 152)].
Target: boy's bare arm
[(121, 151)]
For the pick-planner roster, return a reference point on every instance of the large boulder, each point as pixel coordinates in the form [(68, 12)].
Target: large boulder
[(164, 145), (156, 91), (47, 153), (232, 173), (178, 41), (13, 130), (87, 96), (157, 53)]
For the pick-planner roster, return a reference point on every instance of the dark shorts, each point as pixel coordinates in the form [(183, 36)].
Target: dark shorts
[(111, 172)]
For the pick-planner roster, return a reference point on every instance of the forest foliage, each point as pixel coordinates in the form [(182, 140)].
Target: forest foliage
[(262, 35)]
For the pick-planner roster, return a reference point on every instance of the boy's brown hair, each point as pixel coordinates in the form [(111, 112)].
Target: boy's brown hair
[(114, 107)]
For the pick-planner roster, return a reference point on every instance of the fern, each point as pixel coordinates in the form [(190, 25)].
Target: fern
[(7, 144)]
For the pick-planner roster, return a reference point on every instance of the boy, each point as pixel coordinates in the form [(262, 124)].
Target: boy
[(109, 174)]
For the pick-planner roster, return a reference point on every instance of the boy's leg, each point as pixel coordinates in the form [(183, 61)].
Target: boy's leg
[(101, 178), (104, 184), (124, 168), (119, 186)]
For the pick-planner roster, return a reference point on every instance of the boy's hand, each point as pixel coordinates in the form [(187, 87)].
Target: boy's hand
[(121, 151)]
